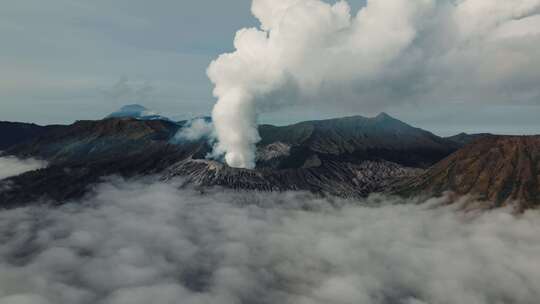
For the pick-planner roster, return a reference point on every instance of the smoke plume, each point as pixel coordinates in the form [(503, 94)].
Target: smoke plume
[(388, 52), (145, 242), (196, 129)]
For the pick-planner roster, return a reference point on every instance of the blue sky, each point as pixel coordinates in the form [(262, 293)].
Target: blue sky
[(65, 60)]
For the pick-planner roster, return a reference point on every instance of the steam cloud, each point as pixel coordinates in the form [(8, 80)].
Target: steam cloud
[(390, 51), (144, 242), (12, 166), (196, 129)]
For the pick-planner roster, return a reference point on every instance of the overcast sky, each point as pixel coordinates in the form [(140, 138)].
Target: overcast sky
[(78, 59)]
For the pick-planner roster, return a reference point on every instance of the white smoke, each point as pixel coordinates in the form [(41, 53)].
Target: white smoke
[(143, 242), (402, 50), (12, 166), (196, 129)]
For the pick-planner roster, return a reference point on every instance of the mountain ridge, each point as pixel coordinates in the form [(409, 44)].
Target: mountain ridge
[(12, 133), (348, 157), (358, 135), (334, 160), (495, 169)]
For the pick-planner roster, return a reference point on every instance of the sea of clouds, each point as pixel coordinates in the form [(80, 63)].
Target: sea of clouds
[(151, 242), (11, 166)]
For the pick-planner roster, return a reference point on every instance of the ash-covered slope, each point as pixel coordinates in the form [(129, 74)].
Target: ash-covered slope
[(498, 170), (343, 179), (352, 156)]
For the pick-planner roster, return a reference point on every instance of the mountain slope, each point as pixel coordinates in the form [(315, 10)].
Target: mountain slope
[(85, 140), (64, 181), (498, 170), (334, 178), (13, 133), (353, 156), (82, 154), (360, 138)]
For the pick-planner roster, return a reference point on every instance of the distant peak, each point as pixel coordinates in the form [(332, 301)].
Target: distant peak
[(133, 107), (138, 112), (384, 115)]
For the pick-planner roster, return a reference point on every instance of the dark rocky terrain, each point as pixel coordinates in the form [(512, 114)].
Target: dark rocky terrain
[(496, 170), (84, 141), (351, 156), (347, 157), (343, 179), (12, 133), (359, 138)]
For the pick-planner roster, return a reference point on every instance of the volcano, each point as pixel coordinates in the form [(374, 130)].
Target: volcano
[(347, 157)]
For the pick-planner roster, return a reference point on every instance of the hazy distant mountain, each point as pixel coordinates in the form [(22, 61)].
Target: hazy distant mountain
[(499, 170), (138, 112), (464, 138)]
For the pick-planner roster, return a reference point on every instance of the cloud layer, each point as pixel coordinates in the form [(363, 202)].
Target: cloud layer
[(388, 53), (11, 166), (144, 242)]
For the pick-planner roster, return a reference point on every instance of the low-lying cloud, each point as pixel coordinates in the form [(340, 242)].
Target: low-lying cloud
[(145, 242), (12, 166)]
